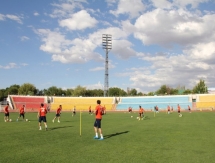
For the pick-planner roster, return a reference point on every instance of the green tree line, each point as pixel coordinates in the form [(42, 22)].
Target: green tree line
[(30, 89)]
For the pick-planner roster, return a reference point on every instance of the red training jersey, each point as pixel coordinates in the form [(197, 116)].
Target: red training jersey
[(21, 110), (58, 111), (98, 112), (6, 109), (42, 111)]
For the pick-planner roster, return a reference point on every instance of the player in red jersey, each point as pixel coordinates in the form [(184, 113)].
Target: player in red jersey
[(97, 123), (21, 112), (58, 112), (6, 113), (42, 116)]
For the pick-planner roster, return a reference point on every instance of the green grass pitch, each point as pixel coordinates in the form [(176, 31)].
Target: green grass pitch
[(160, 139)]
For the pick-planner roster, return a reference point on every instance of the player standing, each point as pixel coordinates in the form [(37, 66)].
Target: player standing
[(90, 111), (97, 123), (179, 110), (168, 109), (189, 108), (58, 112), (21, 113), (6, 113), (42, 116), (141, 110), (74, 111)]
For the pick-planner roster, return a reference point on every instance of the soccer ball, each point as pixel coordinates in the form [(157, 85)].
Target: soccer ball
[(10, 120), (131, 116), (26, 120), (180, 115)]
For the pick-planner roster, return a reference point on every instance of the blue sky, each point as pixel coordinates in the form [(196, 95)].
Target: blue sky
[(155, 42)]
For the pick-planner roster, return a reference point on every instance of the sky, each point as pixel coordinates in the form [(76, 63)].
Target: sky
[(154, 43)]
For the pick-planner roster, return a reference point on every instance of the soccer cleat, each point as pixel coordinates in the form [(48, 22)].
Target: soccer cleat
[(40, 129), (95, 137), (53, 121), (101, 139), (58, 121)]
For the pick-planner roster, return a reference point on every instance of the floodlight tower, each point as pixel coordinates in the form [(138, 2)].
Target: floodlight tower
[(107, 46)]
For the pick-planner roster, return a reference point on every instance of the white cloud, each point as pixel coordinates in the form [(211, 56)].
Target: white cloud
[(180, 27), (95, 86), (193, 3), (132, 8), (24, 38), (9, 66), (36, 14), (66, 8), (79, 21), (14, 17), (2, 17)]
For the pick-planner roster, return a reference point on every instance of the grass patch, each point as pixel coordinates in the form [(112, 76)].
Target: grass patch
[(161, 139)]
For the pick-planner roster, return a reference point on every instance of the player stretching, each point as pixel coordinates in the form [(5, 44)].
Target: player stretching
[(42, 116), (58, 112), (21, 113), (97, 123), (6, 113)]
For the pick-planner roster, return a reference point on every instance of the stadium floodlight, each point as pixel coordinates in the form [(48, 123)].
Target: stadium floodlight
[(107, 46)]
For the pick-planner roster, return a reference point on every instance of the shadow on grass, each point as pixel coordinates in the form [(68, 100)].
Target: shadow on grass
[(116, 134), (146, 118), (60, 127)]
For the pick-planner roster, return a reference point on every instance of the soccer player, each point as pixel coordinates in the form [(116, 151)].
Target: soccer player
[(97, 123), (141, 110), (179, 110), (21, 112), (168, 109), (189, 108), (104, 109), (172, 109), (130, 109), (156, 109), (6, 113), (42, 116), (74, 111), (90, 111), (58, 114)]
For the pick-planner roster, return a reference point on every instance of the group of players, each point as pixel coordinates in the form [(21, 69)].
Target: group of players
[(141, 110), (99, 111)]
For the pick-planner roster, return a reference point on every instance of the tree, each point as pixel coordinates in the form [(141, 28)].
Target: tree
[(79, 91), (13, 89), (200, 87), (27, 89), (114, 91), (132, 92)]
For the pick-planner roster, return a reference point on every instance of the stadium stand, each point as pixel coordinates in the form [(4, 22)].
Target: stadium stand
[(205, 102), (148, 103), (32, 103), (81, 103)]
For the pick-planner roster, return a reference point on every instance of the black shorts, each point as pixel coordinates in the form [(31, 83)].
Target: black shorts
[(98, 123), (42, 118), (22, 115), (178, 111), (6, 114), (74, 112), (140, 114), (57, 115)]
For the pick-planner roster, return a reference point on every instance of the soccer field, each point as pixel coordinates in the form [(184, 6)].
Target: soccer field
[(160, 139)]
